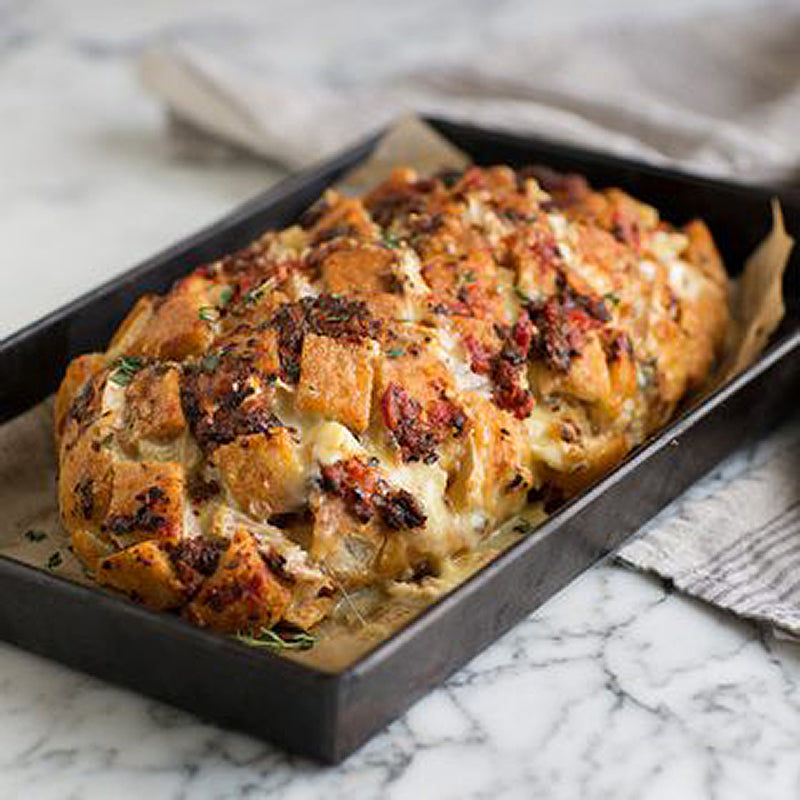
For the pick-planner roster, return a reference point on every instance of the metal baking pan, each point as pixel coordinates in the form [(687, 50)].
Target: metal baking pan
[(327, 716)]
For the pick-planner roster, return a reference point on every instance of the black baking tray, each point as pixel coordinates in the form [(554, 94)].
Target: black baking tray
[(327, 716)]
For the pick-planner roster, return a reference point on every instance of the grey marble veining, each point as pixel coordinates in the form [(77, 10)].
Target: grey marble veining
[(618, 688)]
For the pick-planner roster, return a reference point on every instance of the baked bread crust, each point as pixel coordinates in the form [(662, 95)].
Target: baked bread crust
[(360, 397)]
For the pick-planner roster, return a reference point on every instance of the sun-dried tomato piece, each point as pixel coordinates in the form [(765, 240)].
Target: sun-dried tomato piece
[(366, 494)]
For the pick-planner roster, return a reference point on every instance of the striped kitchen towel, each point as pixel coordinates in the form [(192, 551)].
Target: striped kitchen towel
[(734, 539)]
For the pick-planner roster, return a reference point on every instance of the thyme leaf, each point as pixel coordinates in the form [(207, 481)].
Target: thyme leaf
[(391, 240), (395, 352), (270, 639), (35, 536), (55, 560), (208, 313), (254, 295), (125, 368)]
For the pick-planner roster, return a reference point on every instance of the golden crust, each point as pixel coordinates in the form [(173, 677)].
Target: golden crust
[(263, 473), (153, 407), (145, 573), (336, 380), (79, 371), (360, 397), (242, 594), (146, 502)]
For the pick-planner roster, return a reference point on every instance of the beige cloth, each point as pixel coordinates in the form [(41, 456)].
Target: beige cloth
[(717, 92)]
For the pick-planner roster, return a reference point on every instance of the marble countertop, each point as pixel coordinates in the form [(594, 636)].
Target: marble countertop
[(617, 688)]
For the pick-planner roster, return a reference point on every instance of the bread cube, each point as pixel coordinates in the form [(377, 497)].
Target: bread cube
[(263, 472), (146, 501), (242, 594), (145, 573), (336, 380)]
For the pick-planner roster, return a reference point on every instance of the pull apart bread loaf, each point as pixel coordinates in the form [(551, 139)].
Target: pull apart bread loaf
[(361, 397)]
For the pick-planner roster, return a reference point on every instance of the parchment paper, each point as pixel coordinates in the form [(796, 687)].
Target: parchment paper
[(31, 532)]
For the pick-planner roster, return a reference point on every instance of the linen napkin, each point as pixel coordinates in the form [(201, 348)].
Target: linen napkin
[(715, 93)]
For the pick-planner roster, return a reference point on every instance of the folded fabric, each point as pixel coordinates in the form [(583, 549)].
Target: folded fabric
[(734, 539), (716, 92)]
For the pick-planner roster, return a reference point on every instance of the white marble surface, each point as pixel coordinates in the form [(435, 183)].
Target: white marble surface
[(617, 688)]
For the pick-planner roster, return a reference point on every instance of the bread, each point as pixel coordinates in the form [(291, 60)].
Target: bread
[(359, 398)]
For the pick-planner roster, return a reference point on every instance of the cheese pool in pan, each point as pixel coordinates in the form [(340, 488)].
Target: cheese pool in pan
[(359, 399)]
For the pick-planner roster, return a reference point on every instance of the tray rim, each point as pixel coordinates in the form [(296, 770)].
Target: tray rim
[(288, 185), (212, 641)]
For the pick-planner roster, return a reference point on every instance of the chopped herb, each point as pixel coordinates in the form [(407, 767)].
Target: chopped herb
[(225, 296), (126, 368), (54, 560), (208, 314), (468, 278), (254, 295), (612, 298), (391, 240), (395, 352), (272, 640), (35, 536), (107, 440)]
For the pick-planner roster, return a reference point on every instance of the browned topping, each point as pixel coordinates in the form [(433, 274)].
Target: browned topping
[(506, 367), (222, 398), (509, 394), (199, 554), (340, 230), (366, 494), (82, 406), (625, 229), (200, 489), (419, 433), (561, 324), (148, 517), (84, 490), (326, 315)]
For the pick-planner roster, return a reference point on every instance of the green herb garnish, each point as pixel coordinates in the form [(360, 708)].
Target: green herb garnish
[(391, 240), (208, 313), (55, 560), (126, 368), (254, 295), (272, 640), (225, 296), (35, 536), (395, 352), (612, 298)]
